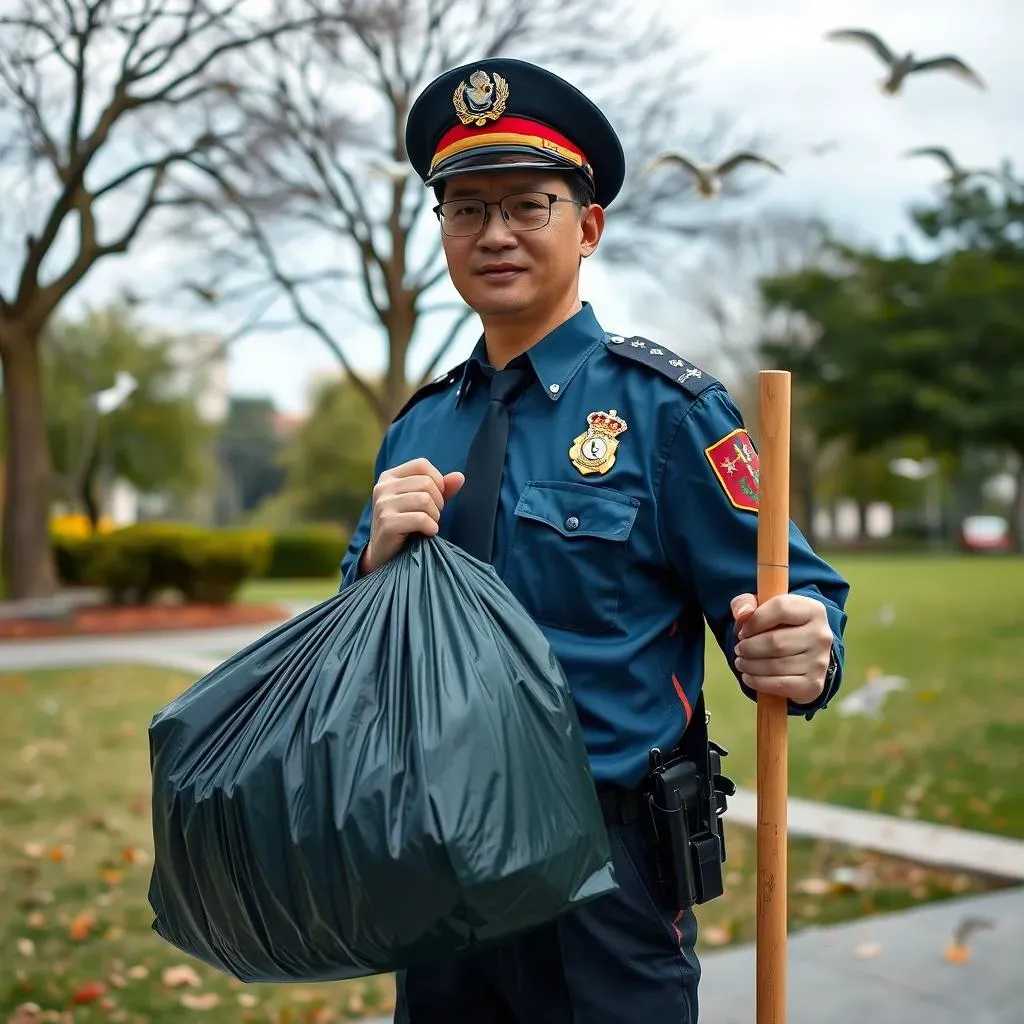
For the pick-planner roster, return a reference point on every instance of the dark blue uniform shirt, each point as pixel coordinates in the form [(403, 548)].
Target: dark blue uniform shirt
[(619, 568)]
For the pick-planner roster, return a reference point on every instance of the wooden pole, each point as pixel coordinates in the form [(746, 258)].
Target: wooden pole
[(772, 721)]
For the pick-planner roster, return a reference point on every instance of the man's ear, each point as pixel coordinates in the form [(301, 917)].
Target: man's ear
[(591, 229)]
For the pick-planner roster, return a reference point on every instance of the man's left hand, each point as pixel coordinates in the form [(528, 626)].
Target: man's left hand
[(783, 646)]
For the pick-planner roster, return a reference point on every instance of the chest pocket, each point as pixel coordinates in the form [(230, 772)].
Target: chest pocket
[(567, 558)]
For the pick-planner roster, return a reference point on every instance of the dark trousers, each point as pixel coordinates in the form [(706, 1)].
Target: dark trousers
[(627, 956)]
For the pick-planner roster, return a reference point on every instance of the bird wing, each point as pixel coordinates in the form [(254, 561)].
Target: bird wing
[(939, 152), (967, 926), (678, 159), (746, 157), (860, 35), (949, 63)]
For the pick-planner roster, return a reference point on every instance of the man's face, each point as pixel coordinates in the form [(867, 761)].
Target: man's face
[(501, 272)]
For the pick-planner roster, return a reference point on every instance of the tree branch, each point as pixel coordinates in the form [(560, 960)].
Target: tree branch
[(446, 343)]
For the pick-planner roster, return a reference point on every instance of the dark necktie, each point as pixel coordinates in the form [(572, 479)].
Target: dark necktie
[(476, 505)]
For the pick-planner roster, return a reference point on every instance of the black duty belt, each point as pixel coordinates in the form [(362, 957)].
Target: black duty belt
[(621, 806)]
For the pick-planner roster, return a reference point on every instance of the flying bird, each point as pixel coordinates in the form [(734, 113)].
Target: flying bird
[(114, 397), (708, 177), (958, 952), (957, 174), (906, 64)]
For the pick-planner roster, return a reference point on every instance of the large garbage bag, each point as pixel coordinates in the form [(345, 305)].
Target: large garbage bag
[(393, 776)]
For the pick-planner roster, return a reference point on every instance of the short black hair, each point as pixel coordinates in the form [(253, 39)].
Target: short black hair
[(580, 189)]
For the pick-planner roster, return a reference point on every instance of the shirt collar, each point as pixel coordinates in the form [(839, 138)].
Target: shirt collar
[(556, 358)]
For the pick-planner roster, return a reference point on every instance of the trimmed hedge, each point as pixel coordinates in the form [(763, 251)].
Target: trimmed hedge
[(310, 552), (138, 562)]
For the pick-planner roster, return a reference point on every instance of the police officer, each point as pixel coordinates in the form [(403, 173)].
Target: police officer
[(614, 488)]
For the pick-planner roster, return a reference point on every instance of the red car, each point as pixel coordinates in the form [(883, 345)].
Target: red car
[(985, 533)]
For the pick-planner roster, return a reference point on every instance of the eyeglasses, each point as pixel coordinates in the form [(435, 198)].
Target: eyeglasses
[(521, 211)]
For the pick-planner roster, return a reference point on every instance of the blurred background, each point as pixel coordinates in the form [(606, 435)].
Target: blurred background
[(220, 279)]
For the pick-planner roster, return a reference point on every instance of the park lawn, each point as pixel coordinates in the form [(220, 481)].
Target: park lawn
[(947, 747), (75, 857), (76, 851), (269, 591)]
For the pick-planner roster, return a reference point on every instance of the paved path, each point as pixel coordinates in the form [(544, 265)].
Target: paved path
[(888, 969)]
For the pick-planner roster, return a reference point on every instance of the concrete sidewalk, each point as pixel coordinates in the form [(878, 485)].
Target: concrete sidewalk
[(888, 969)]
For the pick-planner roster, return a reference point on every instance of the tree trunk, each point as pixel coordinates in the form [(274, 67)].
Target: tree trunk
[(27, 560), (1017, 515)]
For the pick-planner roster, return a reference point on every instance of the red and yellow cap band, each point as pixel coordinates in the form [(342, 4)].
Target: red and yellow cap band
[(511, 131)]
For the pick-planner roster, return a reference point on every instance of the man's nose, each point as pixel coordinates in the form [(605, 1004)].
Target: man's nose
[(495, 229)]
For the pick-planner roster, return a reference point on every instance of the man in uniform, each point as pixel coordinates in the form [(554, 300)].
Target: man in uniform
[(614, 489)]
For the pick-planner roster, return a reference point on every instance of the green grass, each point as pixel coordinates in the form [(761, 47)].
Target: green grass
[(947, 748), (269, 591), (75, 857)]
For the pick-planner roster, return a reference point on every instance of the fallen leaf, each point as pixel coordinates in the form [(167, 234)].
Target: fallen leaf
[(815, 886), (65, 852), (113, 934), (88, 992), (355, 1004), (958, 954), (138, 972), (26, 1013), (200, 1000), (247, 999), (36, 898), (82, 925), (117, 980), (174, 977), (133, 855), (26, 947), (111, 876), (716, 934), (36, 920), (34, 850), (867, 950)]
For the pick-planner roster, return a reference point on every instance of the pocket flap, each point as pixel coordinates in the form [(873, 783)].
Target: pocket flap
[(579, 510)]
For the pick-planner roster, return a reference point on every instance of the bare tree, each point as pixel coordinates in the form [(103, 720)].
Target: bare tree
[(106, 107), (320, 219), (733, 322)]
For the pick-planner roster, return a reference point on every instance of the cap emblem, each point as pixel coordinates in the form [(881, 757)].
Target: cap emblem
[(481, 100)]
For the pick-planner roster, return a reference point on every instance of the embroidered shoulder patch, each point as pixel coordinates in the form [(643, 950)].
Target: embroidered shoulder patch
[(735, 463)]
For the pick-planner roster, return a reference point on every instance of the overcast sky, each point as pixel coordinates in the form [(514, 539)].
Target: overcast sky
[(769, 67)]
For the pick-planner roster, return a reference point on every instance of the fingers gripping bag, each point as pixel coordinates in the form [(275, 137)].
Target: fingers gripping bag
[(396, 775)]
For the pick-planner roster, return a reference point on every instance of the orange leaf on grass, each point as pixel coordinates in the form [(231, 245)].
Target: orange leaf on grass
[(82, 925), (88, 992)]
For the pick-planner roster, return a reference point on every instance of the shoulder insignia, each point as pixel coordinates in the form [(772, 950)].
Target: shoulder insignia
[(440, 383), (680, 371)]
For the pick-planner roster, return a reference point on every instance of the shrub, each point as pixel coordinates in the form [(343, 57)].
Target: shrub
[(138, 562), (70, 555), (310, 552)]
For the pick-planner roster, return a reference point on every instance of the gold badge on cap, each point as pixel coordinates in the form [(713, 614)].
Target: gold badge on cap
[(482, 100), (594, 451)]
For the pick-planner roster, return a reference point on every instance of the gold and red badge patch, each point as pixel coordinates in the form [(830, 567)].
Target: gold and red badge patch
[(734, 460)]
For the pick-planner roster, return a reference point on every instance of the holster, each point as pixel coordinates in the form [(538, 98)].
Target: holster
[(686, 794)]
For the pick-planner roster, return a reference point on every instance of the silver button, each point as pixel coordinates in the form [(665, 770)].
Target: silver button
[(553, 389), (616, 339), (572, 523)]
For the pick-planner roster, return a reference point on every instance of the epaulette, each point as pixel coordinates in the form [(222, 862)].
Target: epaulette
[(445, 380), (680, 371)]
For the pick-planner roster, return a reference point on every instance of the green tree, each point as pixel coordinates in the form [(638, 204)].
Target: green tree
[(328, 463), (920, 348), (249, 451), (156, 439), (108, 111)]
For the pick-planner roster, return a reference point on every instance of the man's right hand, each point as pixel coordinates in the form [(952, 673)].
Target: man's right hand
[(407, 499)]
